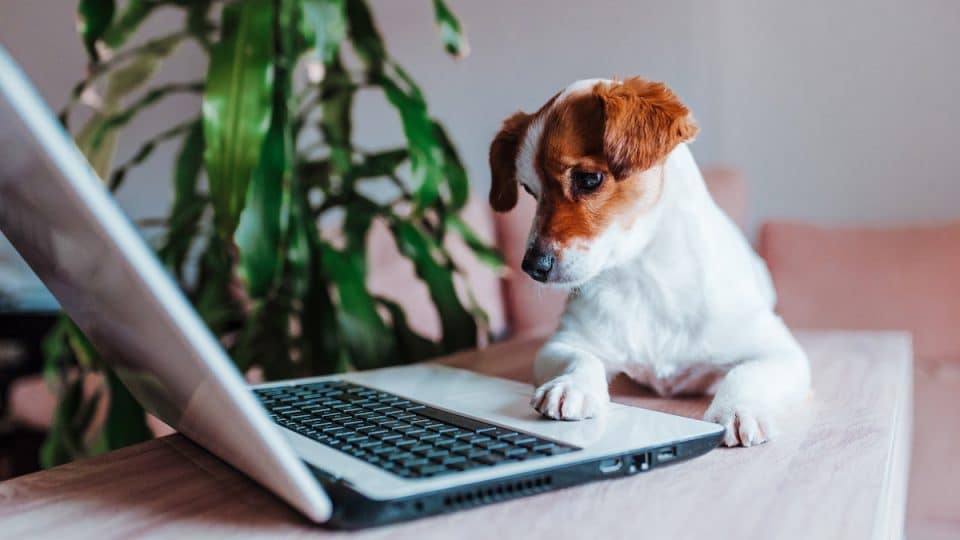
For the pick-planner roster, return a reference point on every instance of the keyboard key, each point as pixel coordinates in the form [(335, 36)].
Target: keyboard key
[(451, 460), (437, 453), (432, 469)]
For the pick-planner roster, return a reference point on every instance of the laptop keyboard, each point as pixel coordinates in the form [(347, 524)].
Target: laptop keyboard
[(398, 435)]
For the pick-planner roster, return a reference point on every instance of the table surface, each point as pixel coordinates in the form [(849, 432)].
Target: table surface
[(838, 470)]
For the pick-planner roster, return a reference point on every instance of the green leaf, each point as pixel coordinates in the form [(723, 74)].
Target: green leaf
[(366, 336), (147, 148), (455, 173), (327, 20), (55, 350), (95, 17), (335, 121), (485, 253), (134, 13), (97, 141), (61, 445), (320, 345), (364, 35), (411, 346), (198, 24), (265, 341), (212, 294), (188, 205), (426, 155), (379, 164), (459, 327), (237, 106), (451, 33), (126, 421), (259, 235)]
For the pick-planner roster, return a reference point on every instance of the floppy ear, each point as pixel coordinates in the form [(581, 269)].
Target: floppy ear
[(643, 122), (503, 162)]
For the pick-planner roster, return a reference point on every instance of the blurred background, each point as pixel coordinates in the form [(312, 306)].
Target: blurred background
[(837, 112), (828, 132)]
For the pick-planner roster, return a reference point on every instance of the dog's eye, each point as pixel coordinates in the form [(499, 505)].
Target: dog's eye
[(586, 180)]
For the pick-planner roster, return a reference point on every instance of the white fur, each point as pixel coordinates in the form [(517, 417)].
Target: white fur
[(679, 301)]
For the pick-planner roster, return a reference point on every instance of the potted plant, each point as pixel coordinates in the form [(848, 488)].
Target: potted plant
[(266, 161)]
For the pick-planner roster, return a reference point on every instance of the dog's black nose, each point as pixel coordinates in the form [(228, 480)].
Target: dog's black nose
[(537, 264)]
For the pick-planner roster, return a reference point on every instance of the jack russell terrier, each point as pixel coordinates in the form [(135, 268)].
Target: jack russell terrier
[(663, 286)]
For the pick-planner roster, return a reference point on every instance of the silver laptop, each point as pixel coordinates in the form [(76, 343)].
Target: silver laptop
[(351, 450)]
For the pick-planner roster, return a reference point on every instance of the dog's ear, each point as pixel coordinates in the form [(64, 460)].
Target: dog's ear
[(643, 122), (503, 162)]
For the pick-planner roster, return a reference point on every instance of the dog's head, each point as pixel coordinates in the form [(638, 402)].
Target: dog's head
[(592, 158)]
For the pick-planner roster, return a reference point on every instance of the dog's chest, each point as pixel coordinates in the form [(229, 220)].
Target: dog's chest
[(646, 322)]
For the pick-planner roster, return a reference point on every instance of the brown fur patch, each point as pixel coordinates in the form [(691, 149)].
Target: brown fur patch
[(620, 129), (644, 122), (503, 161)]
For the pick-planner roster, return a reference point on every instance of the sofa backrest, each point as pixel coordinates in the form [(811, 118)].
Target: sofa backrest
[(871, 279)]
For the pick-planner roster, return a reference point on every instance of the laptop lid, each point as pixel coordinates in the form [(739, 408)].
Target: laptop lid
[(63, 222)]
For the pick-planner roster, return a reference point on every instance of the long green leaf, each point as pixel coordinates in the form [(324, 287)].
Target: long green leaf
[(187, 205), (451, 33), (484, 253), (361, 326), (455, 174), (411, 346), (146, 149), (97, 142), (134, 13), (95, 18), (363, 331), (62, 444), (335, 120), (259, 235), (459, 327), (364, 35), (126, 421), (426, 155), (237, 106), (326, 19)]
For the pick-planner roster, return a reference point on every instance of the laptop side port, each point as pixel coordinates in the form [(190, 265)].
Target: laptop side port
[(610, 466), (639, 462), (665, 454)]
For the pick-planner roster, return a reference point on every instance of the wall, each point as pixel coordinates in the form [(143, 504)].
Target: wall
[(838, 111)]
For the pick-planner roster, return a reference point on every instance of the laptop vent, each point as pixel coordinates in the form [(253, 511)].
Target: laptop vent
[(498, 492)]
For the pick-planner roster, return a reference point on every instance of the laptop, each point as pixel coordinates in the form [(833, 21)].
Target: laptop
[(352, 450)]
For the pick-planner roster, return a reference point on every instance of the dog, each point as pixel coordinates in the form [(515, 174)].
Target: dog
[(663, 286)]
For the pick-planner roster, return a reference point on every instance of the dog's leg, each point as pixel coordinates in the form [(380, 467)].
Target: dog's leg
[(773, 375), (571, 382)]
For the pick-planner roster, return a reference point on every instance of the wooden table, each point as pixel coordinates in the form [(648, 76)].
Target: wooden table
[(839, 470)]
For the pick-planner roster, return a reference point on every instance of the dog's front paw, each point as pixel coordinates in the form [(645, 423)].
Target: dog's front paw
[(746, 425), (566, 398)]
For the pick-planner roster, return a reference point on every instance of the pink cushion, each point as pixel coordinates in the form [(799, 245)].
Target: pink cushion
[(872, 279), (532, 308)]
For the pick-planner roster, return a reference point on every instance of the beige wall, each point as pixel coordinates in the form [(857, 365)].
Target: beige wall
[(840, 111)]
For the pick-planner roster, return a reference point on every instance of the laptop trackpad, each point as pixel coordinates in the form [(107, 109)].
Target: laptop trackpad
[(491, 399)]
